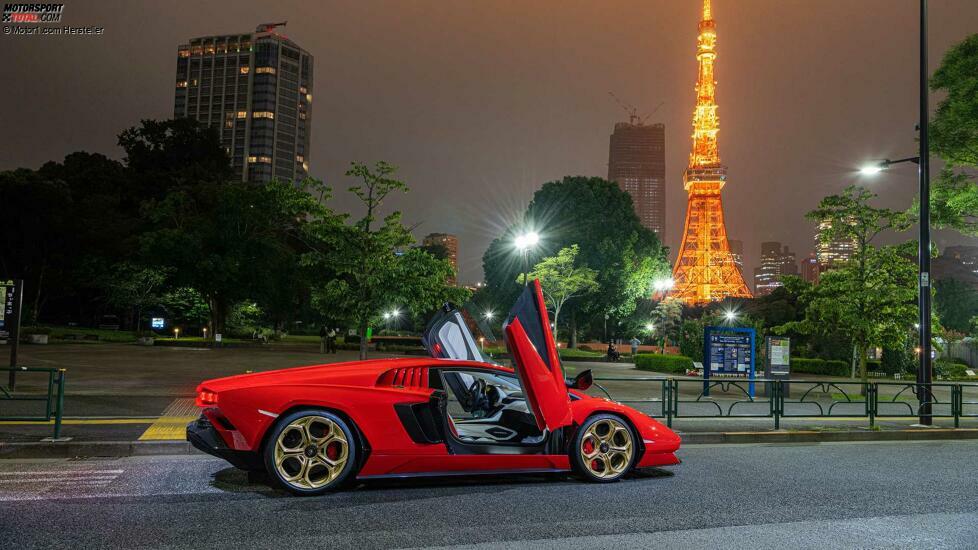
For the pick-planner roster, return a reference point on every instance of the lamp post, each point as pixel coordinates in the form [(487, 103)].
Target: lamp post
[(524, 243), (925, 372)]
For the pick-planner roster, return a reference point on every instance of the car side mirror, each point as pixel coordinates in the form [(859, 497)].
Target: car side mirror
[(582, 381)]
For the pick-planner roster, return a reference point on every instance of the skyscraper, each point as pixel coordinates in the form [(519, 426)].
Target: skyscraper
[(705, 270), (737, 253), (833, 251), (775, 263), (450, 244), (256, 89), (637, 162), (810, 269)]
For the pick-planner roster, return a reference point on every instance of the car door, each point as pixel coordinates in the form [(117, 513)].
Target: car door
[(531, 344), (448, 337)]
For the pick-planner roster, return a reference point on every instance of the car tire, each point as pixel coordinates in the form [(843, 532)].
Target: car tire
[(310, 452), (604, 448)]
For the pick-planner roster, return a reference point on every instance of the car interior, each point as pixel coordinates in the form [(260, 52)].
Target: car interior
[(488, 408)]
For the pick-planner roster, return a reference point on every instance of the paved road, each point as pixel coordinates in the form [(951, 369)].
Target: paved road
[(779, 496)]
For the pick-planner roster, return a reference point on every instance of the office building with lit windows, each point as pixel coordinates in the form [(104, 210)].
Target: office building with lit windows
[(450, 244), (256, 90), (776, 262), (637, 163), (832, 252)]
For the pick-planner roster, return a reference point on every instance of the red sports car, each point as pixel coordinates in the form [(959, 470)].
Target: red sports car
[(314, 428)]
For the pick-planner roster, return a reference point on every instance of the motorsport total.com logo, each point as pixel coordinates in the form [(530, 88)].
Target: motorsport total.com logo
[(32, 13)]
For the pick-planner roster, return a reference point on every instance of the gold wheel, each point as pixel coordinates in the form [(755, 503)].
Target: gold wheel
[(311, 452), (607, 448)]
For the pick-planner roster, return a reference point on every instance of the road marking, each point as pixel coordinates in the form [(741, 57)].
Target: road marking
[(172, 424), (61, 472)]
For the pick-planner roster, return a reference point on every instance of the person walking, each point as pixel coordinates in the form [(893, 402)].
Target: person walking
[(323, 347), (331, 341), (635, 343)]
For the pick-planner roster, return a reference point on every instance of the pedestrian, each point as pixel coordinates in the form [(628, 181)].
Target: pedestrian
[(323, 347), (635, 343), (331, 340)]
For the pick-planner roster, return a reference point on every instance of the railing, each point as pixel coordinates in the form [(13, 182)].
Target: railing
[(731, 398), (53, 398)]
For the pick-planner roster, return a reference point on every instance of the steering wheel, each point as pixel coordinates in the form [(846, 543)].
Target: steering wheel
[(478, 391)]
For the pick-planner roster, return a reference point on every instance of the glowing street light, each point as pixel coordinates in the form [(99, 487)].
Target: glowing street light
[(524, 243), (663, 285), (730, 315), (176, 333), (650, 327), (488, 315)]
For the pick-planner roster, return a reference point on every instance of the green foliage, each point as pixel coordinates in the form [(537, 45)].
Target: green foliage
[(597, 216), (691, 338), (184, 305), (871, 297), (667, 319), (955, 303), (562, 281), (897, 360), (133, 287), (800, 365), (954, 136), (677, 364), (363, 270)]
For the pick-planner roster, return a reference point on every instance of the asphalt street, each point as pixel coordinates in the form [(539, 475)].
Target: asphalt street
[(866, 495)]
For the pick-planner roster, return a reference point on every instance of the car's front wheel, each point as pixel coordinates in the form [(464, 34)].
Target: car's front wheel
[(310, 452), (604, 448)]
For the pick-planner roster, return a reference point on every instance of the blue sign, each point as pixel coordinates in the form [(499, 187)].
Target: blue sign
[(157, 322), (728, 352)]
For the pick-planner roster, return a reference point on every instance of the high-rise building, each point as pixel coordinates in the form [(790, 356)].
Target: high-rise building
[(966, 255), (737, 253), (450, 244), (776, 262), (637, 162), (833, 251), (810, 269), (256, 90), (705, 270)]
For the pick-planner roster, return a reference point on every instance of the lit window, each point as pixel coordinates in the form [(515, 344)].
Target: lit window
[(302, 116), (195, 50), (184, 53), (244, 70), (242, 114), (193, 82), (263, 114), (181, 83), (309, 98), (252, 159), (262, 159), (265, 70), (298, 158), (303, 90)]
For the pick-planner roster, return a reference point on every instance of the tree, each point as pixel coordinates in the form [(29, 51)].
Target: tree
[(368, 267), (955, 303), (562, 281), (599, 217), (667, 320), (954, 136), (133, 288), (870, 297)]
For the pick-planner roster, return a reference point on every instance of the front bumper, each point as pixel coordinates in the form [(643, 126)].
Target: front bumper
[(202, 435)]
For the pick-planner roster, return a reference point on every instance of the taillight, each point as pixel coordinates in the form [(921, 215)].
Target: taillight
[(206, 398)]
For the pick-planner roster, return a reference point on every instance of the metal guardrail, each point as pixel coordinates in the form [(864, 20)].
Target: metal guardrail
[(817, 398), (54, 398)]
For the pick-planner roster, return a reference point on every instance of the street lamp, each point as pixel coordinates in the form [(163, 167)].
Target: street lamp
[(663, 285), (650, 327), (730, 315), (925, 374), (488, 315), (524, 243), (176, 333)]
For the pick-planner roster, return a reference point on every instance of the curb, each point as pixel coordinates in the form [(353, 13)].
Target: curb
[(841, 436), (73, 449)]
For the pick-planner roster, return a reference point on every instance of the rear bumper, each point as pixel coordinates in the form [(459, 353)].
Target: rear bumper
[(202, 435)]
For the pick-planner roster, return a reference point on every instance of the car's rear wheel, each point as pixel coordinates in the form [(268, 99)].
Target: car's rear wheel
[(604, 448), (310, 452)]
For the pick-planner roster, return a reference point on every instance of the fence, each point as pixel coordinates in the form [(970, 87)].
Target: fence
[(53, 398), (672, 398)]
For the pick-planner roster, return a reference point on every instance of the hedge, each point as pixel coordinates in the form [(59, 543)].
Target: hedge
[(824, 367), (663, 363)]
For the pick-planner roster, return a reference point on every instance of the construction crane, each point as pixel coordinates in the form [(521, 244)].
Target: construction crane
[(633, 116)]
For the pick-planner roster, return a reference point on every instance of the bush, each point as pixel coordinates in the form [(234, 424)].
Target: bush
[(663, 363), (36, 330), (822, 367)]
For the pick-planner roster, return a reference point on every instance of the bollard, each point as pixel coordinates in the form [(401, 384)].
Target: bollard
[(60, 404)]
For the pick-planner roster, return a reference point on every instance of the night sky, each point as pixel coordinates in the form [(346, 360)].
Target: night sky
[(479, 103)]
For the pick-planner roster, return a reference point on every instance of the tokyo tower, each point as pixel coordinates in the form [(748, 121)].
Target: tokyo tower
[(705, 270)]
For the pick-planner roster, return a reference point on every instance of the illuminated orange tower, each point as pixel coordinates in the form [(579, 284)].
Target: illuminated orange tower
[(705, 270)]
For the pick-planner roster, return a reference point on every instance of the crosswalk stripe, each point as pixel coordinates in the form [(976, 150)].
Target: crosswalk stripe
[(172, 424)]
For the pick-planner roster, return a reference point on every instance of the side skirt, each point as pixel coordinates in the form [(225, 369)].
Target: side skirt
[(465, 473)]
